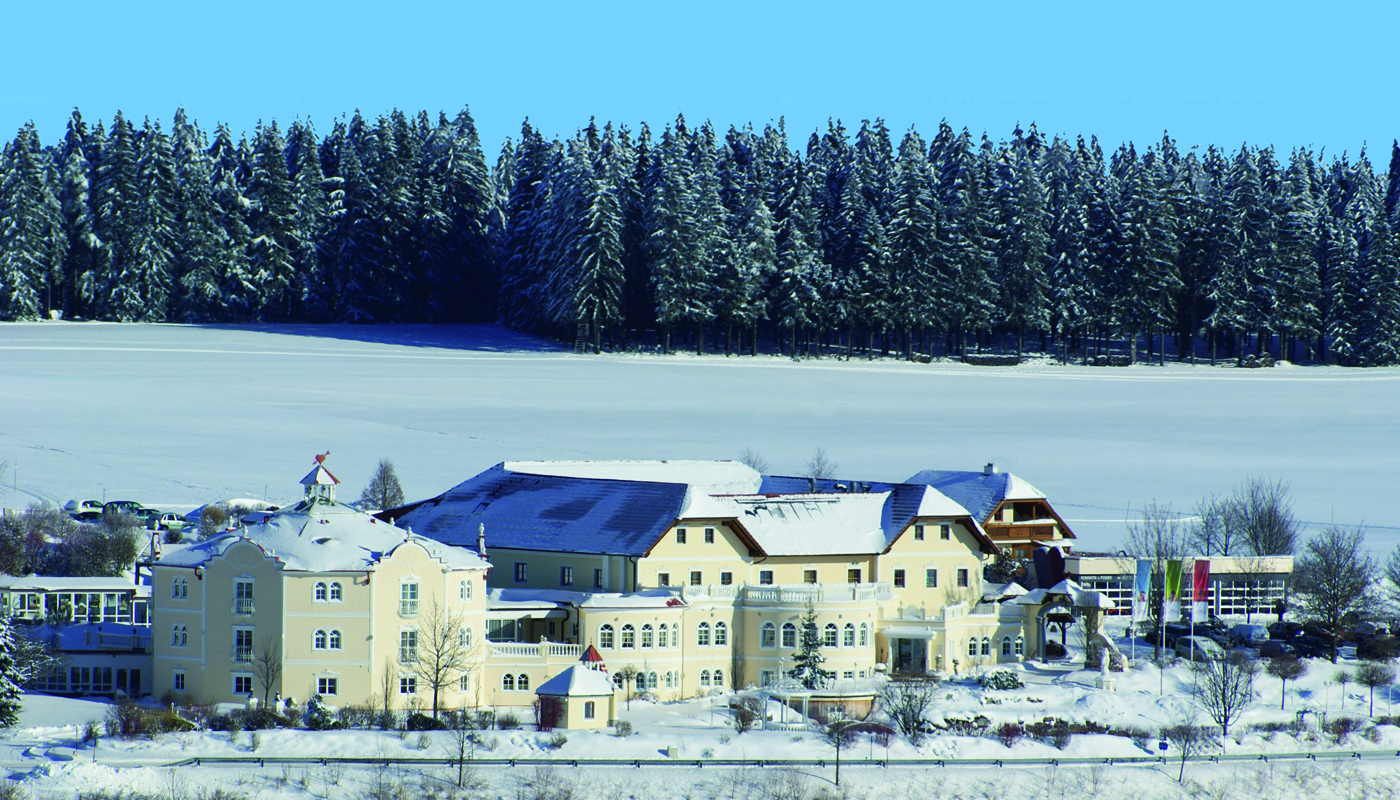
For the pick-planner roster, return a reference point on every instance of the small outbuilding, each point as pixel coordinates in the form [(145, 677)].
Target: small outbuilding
[(586, 695)]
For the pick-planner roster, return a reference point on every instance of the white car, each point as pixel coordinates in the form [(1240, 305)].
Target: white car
[(84, 509), (1199, 648)]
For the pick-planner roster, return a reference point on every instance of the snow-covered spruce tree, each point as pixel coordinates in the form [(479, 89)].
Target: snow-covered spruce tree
[(1295, 210), (308, 223), (597, 291), (1067, 291), (1022, 240), (116, 212), (468, 201), (228, 178), (144, 288), (32, 242), (74, 194), (971, 259), (676, 245), (796, 293), (10, 692), (1148, 285), (809, 658), (272, 223), (199, 239)]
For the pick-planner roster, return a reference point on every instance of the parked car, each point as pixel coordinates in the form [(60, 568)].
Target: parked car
[(145, 515), (1220, 637), (1170, 633), (1318, 629), (1275, 648), (1284, 630), (1362, 631), (121, 507), (1379, 648), (84, 509), (1199, 648), (168, 522), (1249, 635), (1311, 647)]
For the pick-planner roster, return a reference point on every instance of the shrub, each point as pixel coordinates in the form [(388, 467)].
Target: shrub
[(128, 720), (352, 716), (746, 713), (622, 728), (508, 721), (245, 720), (549, 712), (558, 740), (418, 721), (1342, 727), (318, 716), (1009, 733), (1001, 679)]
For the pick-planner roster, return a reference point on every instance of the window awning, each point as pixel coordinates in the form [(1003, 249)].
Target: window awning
[(908, 632)]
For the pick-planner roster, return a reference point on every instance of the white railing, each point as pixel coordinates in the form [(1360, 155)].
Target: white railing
[(557, 649), (408, 608), (243, 654), (243, 607), (515, 649), (713, 591), (803, 593)]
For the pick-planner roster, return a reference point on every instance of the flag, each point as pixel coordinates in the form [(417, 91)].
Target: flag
[(1171, 591), (1200, 591), (1142, 587)]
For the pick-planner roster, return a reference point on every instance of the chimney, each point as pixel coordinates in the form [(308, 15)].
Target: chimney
[(990, 469), (811, 486), (481, 540)]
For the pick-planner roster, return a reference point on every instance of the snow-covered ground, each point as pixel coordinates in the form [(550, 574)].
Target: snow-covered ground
[(43, 753), (178, 416)]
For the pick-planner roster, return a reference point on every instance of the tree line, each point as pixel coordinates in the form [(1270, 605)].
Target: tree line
[(737, 239)]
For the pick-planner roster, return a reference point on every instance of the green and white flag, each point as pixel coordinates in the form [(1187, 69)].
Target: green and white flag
[(1171, 591)]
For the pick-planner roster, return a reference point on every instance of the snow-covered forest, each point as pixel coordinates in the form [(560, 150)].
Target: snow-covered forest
[(708, 239)]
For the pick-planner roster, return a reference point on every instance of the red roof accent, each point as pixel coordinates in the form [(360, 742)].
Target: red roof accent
[(591, 656)]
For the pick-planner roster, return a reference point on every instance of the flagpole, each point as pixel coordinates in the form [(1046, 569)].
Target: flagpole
[(1162, 632), (1193, 605)]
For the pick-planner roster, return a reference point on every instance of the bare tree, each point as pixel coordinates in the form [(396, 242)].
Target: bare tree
[(383, 490), (1160, 536), (906, 701), (212, 519), (1188, 738), (627, 674), (1215, 527), (1225, 688), (388, 682), (1334, 579), (1392, 575), (267, 664), (1373, 674), (461, 744), (1286, 668), (1266, 513), (753, 460), (820, 466), (442, 653), (747, 712)]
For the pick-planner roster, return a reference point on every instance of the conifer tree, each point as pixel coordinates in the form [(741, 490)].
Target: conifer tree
[(10, 678), (32, 241), (809, 659), (80, 260)]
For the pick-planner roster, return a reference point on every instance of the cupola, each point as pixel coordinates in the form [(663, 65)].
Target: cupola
[(319, 482)]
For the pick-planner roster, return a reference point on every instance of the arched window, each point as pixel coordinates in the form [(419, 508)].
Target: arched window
[(719, 678), (522, 683), (702, 634), (335, 640), (864, 635), (646, 635), (629, 636), (462, 591), (676, 635), (1020, 646), (508, 682), (464, 637), (661, 635), (619, 681), (179, 636), (320, 592), (605, 637), (829, 635), (336, 592), (789, 634), (651, 681), (768, 635), (670, 679), (318, 641), (972, 646), (721, 634), (179, 588), (848, 635), (1006, 645), (705, 678), (986, 645)]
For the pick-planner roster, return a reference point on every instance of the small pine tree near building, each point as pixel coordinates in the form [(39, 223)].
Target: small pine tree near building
[(9, 676), (809, 656)]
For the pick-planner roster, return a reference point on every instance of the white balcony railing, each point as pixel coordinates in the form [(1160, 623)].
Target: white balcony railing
[(243, 607), (243, 654), (803, 593), (408, 608)]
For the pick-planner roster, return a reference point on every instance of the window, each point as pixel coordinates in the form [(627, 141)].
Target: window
[(522, 572), (464, 637), (972, 646), (864, 635), (680, 535), (629, 636), (702, 634), (670, 679), (705, 678), (177, 680), (647, 635), (180, 589), (464, 590), (962, 577), (597, 578), (726, 578), (1020, 646), (767, 677), (243, 597), (661, 637), (319, 594), (327, 686), (337, 592), (243, 645), (1006, 645), (768, 635), (789, 634), (619, 681), (500, 630), (605, 637), (408, 599), (676, 635), (652, 680), (522, 683), (318, 641), (566, 576), (809, 576), (335, 640), (721, 634), (931, 578), (464, 683), (848, 675), (848, 635), (408, 686), (507, 682), (408, 646), (719, 678), (918, 533), (590, 709), (765, 577), (945, 532), (179, 636), (986, 646), (852, 576), (695, 577), (709, 536), (663, 579), (829, 635), (242, 684), (899, 578)]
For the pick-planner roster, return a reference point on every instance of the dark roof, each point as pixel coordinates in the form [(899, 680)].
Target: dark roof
[(977, 492), (545, 512)]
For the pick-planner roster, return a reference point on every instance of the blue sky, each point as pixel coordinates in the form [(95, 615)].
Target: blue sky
[(1280, 73)]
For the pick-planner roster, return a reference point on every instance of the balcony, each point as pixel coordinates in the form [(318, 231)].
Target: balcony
[(804, 593), (243, 654), (243, 607), (408, 608)]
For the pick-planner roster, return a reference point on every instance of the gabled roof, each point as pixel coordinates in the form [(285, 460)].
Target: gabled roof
[(319, 476), (978, 492), (578, 681), (529, 511)]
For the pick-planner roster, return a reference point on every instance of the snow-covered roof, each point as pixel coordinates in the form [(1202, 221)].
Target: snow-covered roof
[(710, 477), (319, 535), (44, 583), (577, 681), (992, 592), (978, 492), (319, 476), (529, 598), (814, 524), (644, 598), (1079, 597)]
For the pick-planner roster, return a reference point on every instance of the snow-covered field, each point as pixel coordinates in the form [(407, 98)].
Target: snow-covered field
[(176, 416), (44, 756)]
